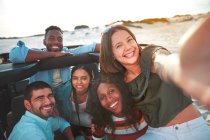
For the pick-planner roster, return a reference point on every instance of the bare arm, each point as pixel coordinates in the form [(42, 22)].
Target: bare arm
[(190, 69), (195, 60), (38, 55), (163, 64), (68, 133)]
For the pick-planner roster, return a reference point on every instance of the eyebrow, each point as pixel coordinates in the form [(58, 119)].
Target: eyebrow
[(39, 97), (120, 42)]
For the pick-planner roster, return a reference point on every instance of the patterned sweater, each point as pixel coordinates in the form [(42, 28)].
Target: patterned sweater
[(123, 131)]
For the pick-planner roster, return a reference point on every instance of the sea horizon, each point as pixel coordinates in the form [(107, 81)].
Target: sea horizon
[(131, 21)]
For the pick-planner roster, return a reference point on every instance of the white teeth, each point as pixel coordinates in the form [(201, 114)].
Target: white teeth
[(47, 108), (113, 104), (55, 47), (129, 54), (79, 86)]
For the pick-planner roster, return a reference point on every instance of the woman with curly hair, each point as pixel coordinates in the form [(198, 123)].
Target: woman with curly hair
[(113, 111)]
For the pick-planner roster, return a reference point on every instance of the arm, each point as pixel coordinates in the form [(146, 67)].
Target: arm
[(195, 52), (33, 55), (195, 60), (93, 47), (58, 123), (21, 53), (98, 47), (170, 69), (163, 63), (68, 133)]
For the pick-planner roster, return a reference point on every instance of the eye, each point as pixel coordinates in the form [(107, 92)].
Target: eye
[(130, 39), (74, 78), (51, 38), (118, 46), (84, 78), (50, 96), (111, 91), (60, 39), (39, 98), (101, 98)]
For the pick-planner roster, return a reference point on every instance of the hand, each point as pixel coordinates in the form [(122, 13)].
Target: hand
[(194, 61), (59, 54), (93, 128)]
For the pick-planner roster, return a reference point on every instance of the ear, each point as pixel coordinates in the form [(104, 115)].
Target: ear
[(44, 42), (27, 104)]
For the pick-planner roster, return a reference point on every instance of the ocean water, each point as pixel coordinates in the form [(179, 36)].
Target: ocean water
[(165, 34), (78, 37)]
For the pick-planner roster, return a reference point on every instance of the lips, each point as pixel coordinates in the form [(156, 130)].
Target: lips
[(55, 47), (79, 86), (114, 105), (47, 108), (129, 54)]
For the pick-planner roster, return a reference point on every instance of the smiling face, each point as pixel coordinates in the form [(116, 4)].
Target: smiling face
[(110, 98), (80, 81), (53, 41), (42, 103), (124, 48)]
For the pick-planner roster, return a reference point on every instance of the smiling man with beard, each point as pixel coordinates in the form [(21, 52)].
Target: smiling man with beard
[(38, 122)]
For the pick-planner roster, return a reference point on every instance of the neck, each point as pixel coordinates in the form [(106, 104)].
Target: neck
[(81, 97), (132, 72)]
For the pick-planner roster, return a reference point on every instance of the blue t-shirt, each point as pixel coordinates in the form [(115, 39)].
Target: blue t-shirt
[(32, 127)]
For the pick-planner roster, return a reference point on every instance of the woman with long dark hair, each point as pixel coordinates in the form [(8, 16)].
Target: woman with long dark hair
[(73, 103)]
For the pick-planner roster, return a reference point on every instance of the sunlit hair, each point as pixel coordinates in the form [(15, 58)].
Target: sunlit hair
[(90, 73), (102, 116), (107, 61), (34, 86), (52, 28)]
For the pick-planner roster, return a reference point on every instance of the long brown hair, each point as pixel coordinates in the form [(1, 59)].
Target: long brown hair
[(102, 116)]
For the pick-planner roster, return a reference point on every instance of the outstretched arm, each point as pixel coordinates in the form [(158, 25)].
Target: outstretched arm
[(195, 60), (189, 69), (195, 51)]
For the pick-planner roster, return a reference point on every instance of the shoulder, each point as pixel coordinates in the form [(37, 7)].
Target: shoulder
[(160, 53), (22, 132)]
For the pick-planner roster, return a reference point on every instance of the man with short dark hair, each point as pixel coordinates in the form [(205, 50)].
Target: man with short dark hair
[(38, 122)]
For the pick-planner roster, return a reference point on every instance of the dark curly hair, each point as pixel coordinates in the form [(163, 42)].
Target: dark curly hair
[(103, 117)]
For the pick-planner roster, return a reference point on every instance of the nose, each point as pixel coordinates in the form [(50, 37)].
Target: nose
[(47, 100), (78, 81), (109, 98), (127, 46)]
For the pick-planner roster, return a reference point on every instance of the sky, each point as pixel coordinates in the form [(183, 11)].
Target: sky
[(19, 18)]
